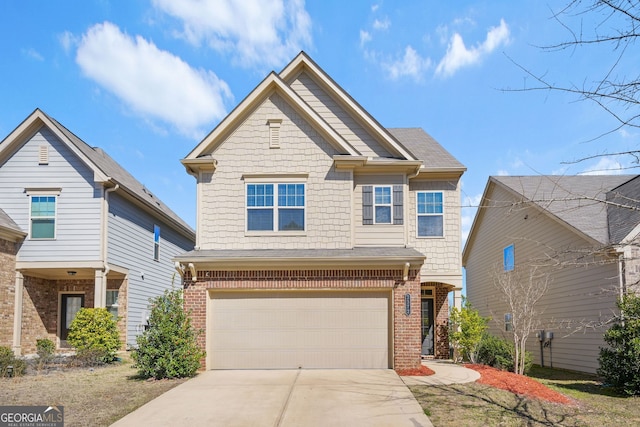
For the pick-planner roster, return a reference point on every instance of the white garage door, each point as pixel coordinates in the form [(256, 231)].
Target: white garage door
[(288, 330)]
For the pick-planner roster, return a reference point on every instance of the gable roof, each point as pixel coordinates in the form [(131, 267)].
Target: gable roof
[(105, 168), (576, 200), (279, 82), (303, 62), (425, 148), (8, 227)]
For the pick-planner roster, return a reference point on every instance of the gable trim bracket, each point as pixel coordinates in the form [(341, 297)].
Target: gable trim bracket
[(376, 164)]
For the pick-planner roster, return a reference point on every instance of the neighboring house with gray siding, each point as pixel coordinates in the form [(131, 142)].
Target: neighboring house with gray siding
[(324, 239), (89, 235), (583, 230)]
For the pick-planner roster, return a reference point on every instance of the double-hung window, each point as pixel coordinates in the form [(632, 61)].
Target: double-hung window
[(382, 204), (430, 211), (43, 217), (156, 242), (276, 207)]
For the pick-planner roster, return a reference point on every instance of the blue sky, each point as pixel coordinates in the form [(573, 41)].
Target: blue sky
[(146, 80)]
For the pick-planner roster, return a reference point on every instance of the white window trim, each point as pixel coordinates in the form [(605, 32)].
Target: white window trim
[(44, 192), (389, 205), (156, 243), (508, 326), (418, 236), (285, 179)]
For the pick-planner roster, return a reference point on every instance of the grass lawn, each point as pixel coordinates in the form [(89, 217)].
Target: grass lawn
[(91, 397), (480, 405)]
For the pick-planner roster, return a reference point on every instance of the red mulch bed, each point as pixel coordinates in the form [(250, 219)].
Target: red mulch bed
[(518, 384), (422, 371)]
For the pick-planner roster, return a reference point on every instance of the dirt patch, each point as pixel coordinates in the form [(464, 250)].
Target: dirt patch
[(519, 384), (422, 371)]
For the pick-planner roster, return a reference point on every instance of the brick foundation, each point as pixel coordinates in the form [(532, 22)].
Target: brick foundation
[(406, 329)]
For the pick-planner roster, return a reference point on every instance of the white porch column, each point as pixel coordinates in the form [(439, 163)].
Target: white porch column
[(457, 299), (17, 314), (100, 290)]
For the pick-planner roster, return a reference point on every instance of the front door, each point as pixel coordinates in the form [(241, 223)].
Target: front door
[(71, 304), (427, 326)]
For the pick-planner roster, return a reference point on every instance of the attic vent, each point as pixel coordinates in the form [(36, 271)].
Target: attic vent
[(43, 155), (274, 133)]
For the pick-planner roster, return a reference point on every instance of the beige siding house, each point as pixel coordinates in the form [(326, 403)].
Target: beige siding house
[(580, 229), (324, 240)]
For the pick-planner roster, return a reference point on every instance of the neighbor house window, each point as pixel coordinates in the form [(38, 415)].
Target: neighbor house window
[(508, 322), (43, 217), (430, 211), (276, 207), (156, 242), (112, 303), (508, 258)]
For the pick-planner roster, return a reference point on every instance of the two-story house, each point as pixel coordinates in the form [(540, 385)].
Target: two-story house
[(582, 232), (77, 230), (323, 239)]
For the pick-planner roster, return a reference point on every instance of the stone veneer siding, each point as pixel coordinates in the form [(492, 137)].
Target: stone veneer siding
[(406, 329), (8, 251)]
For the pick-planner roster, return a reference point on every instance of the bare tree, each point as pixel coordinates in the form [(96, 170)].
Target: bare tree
[(593, 24), (521, 289)]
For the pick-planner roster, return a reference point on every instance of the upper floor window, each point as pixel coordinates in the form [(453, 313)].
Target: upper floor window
[(156, 242), (43, 217), (508, 258), (276, 207), (382, 204), (430, 211)]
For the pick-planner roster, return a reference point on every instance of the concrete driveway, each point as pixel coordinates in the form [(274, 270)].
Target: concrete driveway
[(284, 398)]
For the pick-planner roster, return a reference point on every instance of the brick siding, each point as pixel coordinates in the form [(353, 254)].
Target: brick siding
[(8, 251), (406, 329)]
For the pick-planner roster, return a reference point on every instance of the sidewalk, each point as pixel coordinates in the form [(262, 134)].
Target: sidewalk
[(446, 372)]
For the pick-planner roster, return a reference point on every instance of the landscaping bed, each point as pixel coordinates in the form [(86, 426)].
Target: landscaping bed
[(91, 396)]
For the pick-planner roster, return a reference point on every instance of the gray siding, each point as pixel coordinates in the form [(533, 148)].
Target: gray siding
[(130, 245), (580, 291), (376, 234), (78, 206)]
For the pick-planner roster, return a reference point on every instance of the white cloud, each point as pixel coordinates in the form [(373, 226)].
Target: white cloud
[(154, 83), (258, 33), (365, 37), (605, 166), (374, 7), (67, 41), (458, 55), (410, 65), (502, 172), (33, 54), (381, 25)]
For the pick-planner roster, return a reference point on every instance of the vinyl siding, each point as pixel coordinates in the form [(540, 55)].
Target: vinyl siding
[(130, 245), (78, 206), (222, 213), (337, 117), (376, 234), (443, 253), (577, 293)]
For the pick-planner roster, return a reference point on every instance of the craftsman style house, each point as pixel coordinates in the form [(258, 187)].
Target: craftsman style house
[(76, 230), (582, 232), (324, 240)]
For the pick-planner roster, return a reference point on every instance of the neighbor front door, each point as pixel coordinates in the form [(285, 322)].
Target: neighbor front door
[(71, 304)]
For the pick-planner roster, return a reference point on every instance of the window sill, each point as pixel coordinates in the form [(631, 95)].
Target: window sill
[(274, 233), (430, 237)]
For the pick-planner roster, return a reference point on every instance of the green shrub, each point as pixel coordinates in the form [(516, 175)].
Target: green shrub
[(45, 349), (7, 359), (499, 352), (94, 333), (620, 362), (168, 349), (466, 328)]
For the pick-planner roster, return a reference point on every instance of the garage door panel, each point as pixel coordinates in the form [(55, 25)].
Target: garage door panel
[(255, 330)]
